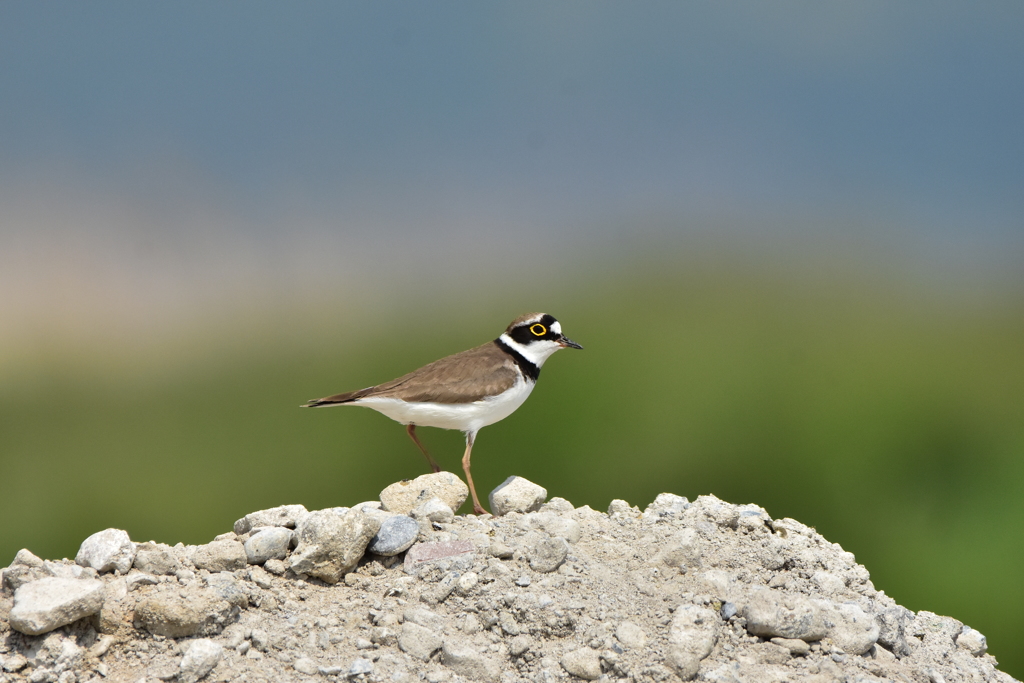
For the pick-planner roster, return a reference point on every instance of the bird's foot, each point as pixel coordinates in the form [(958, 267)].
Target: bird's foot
[(479, 509)]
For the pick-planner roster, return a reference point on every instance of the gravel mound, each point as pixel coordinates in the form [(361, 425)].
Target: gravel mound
[(404, 590)]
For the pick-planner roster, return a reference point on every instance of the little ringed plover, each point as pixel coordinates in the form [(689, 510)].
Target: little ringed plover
[(466, 391)]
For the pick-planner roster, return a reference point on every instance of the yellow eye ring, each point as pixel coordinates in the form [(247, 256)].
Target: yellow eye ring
[(538, 330)]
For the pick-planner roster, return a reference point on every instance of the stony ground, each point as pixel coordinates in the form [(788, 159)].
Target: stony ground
[(402, 590)]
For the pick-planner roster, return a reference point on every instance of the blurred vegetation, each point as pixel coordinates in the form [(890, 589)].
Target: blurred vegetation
[(886, 414)]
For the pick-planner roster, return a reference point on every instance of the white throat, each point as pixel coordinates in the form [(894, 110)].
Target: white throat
[(536, 352)]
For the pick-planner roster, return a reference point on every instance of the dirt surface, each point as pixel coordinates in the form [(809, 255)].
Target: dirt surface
[(703, 590)]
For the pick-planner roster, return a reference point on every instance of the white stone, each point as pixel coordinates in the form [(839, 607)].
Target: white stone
[(268, 543), (289, 516), (583, 663), (972, 641), (199, 660), (403, 496), (106, 551), (44, 605), (517, 494), (435, 509)]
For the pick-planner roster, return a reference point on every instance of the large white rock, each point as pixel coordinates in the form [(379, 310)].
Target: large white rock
[(44, 605), (517, 494), (107, 551), (401, 497)]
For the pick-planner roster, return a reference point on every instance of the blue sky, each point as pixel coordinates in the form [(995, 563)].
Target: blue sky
[(288, 122)]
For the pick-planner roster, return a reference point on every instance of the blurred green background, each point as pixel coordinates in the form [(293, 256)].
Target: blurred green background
[(790, 238)]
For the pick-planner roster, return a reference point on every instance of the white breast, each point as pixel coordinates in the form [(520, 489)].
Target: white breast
[(466, 417)]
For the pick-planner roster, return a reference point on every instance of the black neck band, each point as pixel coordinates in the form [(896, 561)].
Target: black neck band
[(529, 370)]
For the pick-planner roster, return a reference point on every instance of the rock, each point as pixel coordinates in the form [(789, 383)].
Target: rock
[(682, 552), (425, 618), (517, 494), (666, 507), (552, 524), (220, 556), (417, 641), (462, 658), (402, 497), (289, 516), (134, 580), (435, 510), (445, 555), (691, 637), (853, 630), (176, 613), (268, 543), (305, 665), (228, 588), (25, 568), (156, 558), (583, 663), (520, 645), (621, 512), (770, 613), (467, 582), (397, 534), (200, 658), (107, 551), (630, 635), (972, 641), (360, 667), (49, 603), (795, 646), (548, 554), (330, 544)]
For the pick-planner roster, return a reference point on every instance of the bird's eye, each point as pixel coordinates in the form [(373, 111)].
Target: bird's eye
[(538, 330)]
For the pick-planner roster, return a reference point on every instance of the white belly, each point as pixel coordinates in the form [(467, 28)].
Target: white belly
[(466, 417)]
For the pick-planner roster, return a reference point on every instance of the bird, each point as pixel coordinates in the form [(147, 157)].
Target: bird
[(468, 390)]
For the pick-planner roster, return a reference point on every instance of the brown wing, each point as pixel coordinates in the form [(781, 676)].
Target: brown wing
[(464, 377)]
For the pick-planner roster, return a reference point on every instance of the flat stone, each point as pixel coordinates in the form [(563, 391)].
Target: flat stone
[(770, 613), (156, 558), (305, 665), (425, 618), (107, 551), (548, 554), (462, 658), (135, 580), (583, 663), (49, 603), (403, 496), (268, 543), (434, 510), (447, 555), (630, 635), (330, 545), (199, 660), (516, 494), (177, 613), (397, 533), (418, 641), (289, 516), (796, 647), (220, 556), (360, 667)]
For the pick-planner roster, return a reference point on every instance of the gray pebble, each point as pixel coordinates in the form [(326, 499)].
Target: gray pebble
[(268, 543), (360, 667), (523, 581), (396, 534), (435, 510)]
